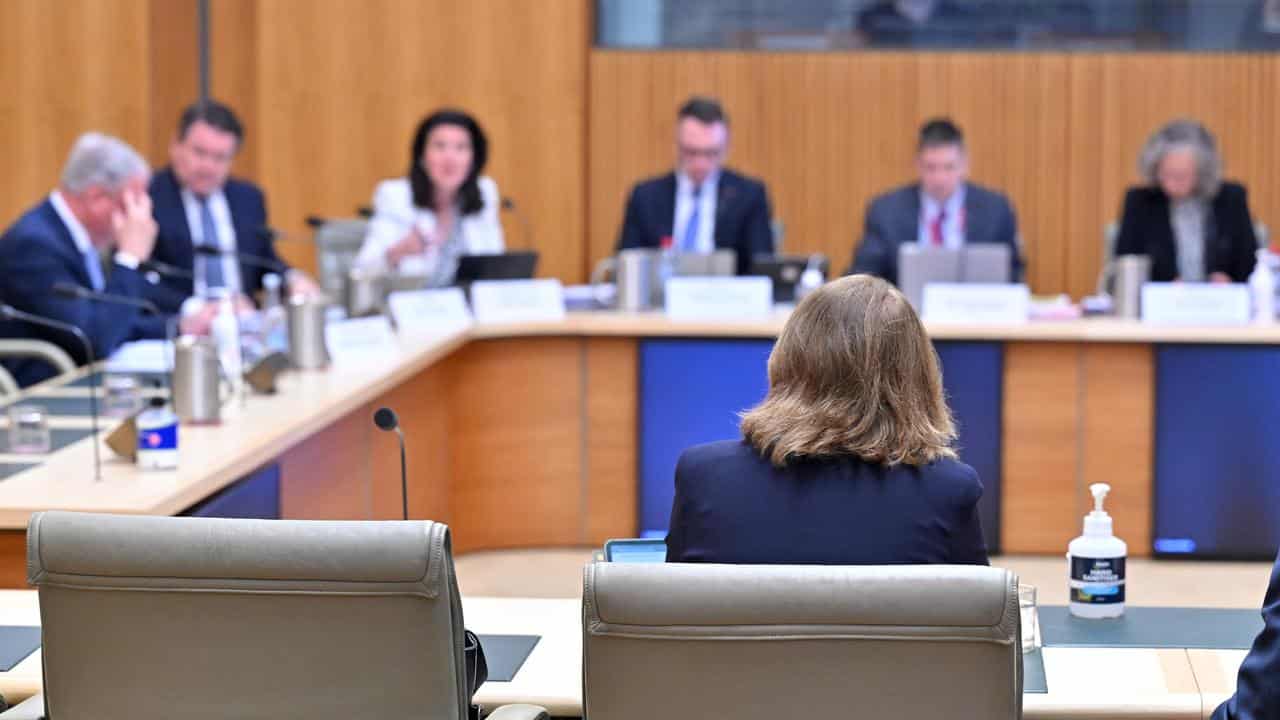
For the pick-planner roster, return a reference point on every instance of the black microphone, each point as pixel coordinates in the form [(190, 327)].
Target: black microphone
[(11, 313), (166, 269), (79, 292), (250, 260), (525, 228), (386, 420)]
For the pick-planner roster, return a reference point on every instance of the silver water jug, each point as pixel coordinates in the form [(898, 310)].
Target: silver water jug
[(307, 349), (197, 380), (1131, 273), (365, 292), (636, 275)]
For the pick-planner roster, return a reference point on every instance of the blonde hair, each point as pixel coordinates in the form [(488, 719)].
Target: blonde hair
[(853, 373)]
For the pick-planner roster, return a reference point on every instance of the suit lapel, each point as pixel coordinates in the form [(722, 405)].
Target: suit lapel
[(666, 208), (727, 196), (171, 215), (975, 223), (67, 244), (911, 219)]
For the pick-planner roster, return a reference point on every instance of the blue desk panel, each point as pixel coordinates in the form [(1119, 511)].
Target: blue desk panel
[(1217, 454), (255, 496), (691, 392)]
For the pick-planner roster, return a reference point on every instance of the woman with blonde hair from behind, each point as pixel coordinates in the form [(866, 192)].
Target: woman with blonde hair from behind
[(849, 458)]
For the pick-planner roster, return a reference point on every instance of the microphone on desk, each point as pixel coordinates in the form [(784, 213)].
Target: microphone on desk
[(526, 230), (386, 420), (166, 270), (11, 313), (245, 258)]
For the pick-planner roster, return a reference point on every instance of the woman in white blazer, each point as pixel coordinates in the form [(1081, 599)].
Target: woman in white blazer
[(443, 210)]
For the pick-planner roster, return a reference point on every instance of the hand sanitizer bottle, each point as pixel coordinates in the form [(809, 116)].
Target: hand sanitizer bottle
[(1262, 285), (1095, 563), (157, 437)]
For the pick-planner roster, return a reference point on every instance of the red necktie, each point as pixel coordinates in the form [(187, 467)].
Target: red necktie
[(935, 228)]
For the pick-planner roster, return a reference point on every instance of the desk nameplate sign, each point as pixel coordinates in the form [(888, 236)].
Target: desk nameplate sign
[(1195, 304), (429, 311), (719, 298), (976, 303), (508, 301), (360, 339)]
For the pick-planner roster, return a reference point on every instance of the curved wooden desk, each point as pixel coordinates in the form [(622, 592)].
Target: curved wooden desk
[(526, 435)]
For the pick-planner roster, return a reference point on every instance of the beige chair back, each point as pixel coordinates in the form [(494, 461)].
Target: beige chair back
[(151, 617), (767, 642)]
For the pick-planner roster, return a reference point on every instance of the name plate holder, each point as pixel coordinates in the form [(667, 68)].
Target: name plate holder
[(510, 301), (1201, 304), (360, 339), (976, 303), (429, 311), (719, 298)]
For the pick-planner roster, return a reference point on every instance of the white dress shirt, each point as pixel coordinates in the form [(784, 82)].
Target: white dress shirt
[(226, 240), (705, 239), (394, 214), (952, 226)]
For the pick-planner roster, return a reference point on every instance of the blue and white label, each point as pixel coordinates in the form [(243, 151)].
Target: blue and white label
[(158, 446), (1097, 581)]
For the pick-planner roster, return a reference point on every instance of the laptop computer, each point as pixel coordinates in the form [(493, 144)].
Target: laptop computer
[(979, 263), (515, 265), (785, 271)]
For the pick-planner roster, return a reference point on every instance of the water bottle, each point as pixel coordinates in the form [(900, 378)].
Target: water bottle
[(275, 327), (1262, 286), (226, 335)]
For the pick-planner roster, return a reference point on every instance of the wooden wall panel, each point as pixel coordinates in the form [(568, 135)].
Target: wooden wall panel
[(611, 434), (1058, 132), (1118, 437), (67, 67), (337, 88), (1040, 509), (328, 475), (515, 436)]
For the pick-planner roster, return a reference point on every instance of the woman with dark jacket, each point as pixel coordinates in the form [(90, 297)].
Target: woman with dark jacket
[(848, 460), (1193, 225)]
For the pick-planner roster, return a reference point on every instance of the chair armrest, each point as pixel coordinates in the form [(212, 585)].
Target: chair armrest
[(30, 709), (513, 712), (8, 386), (46, 351)]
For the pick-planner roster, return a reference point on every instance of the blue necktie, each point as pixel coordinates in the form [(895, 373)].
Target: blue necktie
[(93, 266), (689, 238), (213, 275)]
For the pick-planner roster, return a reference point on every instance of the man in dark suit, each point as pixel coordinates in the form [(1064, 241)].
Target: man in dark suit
[(198, 203), (101, 204), (702, 206), (943, 209), (1257, 694)]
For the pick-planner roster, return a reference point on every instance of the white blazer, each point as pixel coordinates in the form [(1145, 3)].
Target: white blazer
[(394, 213)]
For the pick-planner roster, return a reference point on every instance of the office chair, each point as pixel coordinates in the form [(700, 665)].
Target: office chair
[(8, 386), (338, 242), (774, 641), (157, 617), (39, 349)]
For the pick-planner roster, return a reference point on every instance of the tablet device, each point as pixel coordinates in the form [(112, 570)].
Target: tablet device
[(636, 550), (785, 270), (518, 265)]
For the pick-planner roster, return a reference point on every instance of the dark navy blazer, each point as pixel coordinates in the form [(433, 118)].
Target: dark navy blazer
[(1230, 244), (742, 216), (173, 244), (35, 253), (732, 506), (894, 219), (1258, 683)]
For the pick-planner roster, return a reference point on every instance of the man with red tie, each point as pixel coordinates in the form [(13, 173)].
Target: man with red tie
[(943, 209)]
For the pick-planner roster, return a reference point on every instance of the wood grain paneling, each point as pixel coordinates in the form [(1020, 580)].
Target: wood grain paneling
[(515, 441), (13, 559), (1058, 132), (1118, 437), (67, 67), (338, 87), (328, 476), (611, 435), (1040, 510)]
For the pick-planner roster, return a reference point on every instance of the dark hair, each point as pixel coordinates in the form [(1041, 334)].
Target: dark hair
[(938, 132), (424, 195), (210, 112), (703, 109)]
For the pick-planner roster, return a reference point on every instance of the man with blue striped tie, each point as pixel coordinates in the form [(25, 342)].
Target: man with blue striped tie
[(702, 206), (99, 208)]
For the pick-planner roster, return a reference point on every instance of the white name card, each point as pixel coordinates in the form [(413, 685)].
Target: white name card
[(429, 311), (1195, 304), (502, 301), (976, 303), (360, 339), (719, 298)]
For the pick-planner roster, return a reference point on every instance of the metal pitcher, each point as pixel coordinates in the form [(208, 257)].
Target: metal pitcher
[(637, 276), (1131, 273), (197, 380), (365, 292), (307, 348)]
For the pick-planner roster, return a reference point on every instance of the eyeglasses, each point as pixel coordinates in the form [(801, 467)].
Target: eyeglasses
[(692, 153)]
